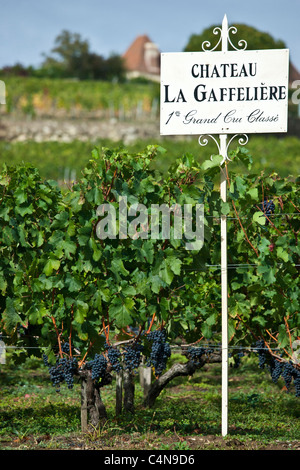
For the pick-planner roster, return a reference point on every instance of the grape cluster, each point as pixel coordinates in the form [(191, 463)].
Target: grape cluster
[(98, 365), (276, 367), (70, 370), (113, 355), (297, 382), (133, 356), (289, 373), (279, 368), (65, 347), (268, 208), (237, 359), (160, 351), (56, 376), (262, 352), (45, 359), (62, 371), (286, 375), (195, 354)]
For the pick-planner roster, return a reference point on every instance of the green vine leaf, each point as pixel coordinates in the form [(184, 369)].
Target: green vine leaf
[(51, 265), (213, 163), (259, 217), (121, 310)]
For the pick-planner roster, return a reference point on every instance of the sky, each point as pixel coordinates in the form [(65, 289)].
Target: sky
[(28, 28)]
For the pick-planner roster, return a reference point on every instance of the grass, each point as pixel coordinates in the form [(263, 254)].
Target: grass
[(54, 159), (187, 414)]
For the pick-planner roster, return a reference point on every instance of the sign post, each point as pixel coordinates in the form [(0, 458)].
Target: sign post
[(224, 92), (224, 271)]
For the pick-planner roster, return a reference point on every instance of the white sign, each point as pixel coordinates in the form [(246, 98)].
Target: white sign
[(224, 92)]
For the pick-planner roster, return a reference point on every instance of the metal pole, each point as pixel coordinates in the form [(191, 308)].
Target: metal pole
[(222, 147), (224, 292)]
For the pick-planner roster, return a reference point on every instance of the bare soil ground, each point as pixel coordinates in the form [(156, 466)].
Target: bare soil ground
[(133, 442)]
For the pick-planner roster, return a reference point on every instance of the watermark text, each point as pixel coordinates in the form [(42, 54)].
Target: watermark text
[(159, 222)]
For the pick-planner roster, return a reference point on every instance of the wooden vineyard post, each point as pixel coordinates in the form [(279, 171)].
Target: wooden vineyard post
[(119, 392), (84, 408), (145, 378)]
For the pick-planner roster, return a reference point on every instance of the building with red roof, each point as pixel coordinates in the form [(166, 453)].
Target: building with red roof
[(293, 74), (142, 59)]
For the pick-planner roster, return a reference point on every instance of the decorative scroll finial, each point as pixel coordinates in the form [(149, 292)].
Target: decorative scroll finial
[(225, 41), (207, 44), (203, 140), (224, 38), (224, 34)]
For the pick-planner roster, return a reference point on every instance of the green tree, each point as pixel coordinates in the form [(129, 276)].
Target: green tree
[(72, 57), (69, 47), (255, 39)]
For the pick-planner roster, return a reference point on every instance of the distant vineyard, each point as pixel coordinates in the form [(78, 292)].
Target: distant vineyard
[(44, 96), (36, 96)]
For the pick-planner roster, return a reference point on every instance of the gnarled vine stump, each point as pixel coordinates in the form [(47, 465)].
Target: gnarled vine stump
[(93, 411)]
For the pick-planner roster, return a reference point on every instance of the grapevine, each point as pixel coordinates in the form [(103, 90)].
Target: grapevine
[(58, 278)]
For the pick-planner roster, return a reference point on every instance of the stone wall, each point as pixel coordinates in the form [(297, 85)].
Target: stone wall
[(67, 130)]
